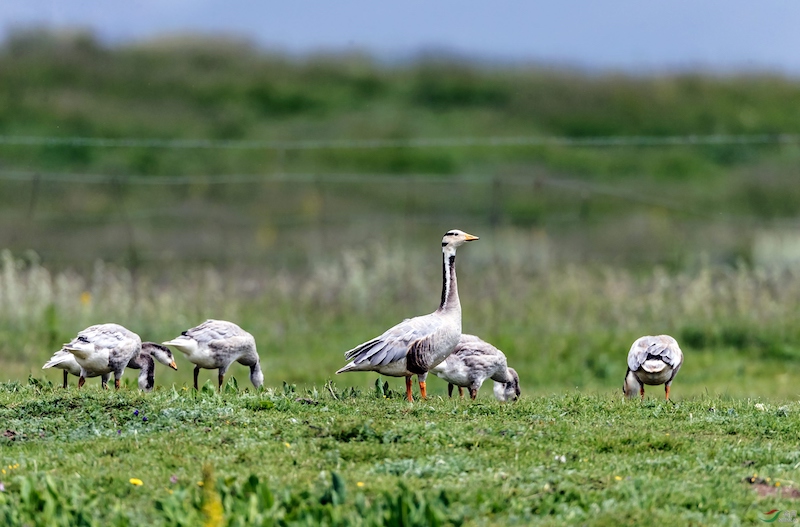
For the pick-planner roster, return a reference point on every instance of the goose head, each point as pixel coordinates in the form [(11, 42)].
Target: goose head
[(508, 391), (455, 238), (160, 353)]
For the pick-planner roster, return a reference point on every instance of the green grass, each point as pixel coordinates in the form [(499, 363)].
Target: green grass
[(352, 457), (295, 453)]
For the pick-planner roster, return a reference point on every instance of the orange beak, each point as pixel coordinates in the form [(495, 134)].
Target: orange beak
[(173, 365), (470, 237)]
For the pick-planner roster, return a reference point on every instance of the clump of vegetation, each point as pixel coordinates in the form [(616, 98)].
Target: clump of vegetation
[(559, 327)]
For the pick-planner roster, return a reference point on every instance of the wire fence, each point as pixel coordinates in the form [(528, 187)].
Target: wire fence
[(345, 144), (70, 216)]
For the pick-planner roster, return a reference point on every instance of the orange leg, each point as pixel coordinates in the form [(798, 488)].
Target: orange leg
[(116, 384), (666, 389), (461, 392), (408, 390), (423, 389), (81, 382), (473, 393), (641, 391)]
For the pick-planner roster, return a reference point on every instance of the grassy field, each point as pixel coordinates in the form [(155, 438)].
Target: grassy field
[(314, 449), (315, 250), (327, 456)]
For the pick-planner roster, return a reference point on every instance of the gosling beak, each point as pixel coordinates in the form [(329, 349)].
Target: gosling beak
[(470, 237), (173, 365)]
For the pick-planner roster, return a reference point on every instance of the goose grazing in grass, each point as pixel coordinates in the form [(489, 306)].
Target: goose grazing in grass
[(473, 361), (215, 344), (417, 344), (653, 361), (101, 350), (144, 362)]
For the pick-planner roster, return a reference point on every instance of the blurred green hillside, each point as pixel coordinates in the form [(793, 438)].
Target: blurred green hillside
[(591, 202)]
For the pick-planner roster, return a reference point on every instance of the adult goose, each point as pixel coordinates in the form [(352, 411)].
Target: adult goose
[(418, 344), (473, 361), (144, 362), (103, 349), (652, 360), (216, 344)]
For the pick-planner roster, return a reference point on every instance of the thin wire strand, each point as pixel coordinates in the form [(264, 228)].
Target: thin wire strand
[(571, 185), (450, 142)]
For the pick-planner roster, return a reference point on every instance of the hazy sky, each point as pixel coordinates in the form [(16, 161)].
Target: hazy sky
[(635, 35)]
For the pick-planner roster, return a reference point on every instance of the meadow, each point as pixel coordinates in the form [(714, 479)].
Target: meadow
[(105, 215), (314, 448)]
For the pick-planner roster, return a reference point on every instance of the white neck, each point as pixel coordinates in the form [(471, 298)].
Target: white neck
[(450, 299)]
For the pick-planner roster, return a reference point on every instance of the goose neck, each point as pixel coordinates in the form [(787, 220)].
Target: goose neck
[(450, 301)]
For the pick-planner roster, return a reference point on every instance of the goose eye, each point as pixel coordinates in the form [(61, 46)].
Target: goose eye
[(83, 339)]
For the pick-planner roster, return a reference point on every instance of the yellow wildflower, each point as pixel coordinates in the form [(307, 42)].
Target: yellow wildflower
[(360, 484), (618, 478), (136, 481)]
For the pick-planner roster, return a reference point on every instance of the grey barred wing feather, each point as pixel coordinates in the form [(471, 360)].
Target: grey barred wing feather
[(230, 344), (394, 344), (662, 347), (123, 343), (107, 335), (212, 330)]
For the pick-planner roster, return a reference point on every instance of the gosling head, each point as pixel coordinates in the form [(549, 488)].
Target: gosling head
[(508, 391), (631, 385), (160, 353)]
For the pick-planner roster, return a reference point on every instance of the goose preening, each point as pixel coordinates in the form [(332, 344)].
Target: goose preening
[(652, 360), (215, 344), (417, 344), (144, 362), (472, 362), (101, 350)]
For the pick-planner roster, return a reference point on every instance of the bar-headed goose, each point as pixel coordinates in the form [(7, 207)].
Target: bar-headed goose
[(215, 344), (144, 362), (652, 360), (103, 349), (416, 345), (473, 361)]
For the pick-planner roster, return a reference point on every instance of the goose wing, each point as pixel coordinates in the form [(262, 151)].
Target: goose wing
[(470, 345), (662, 347), (106, 335), (394, 344), (215, 330)]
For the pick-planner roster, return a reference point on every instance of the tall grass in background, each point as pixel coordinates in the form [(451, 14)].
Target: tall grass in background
[(562, 327)]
